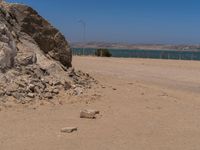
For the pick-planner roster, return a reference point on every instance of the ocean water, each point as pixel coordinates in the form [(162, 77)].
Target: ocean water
[(155, 54)]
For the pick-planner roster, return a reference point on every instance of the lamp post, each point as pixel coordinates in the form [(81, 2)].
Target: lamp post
[(82, 22)]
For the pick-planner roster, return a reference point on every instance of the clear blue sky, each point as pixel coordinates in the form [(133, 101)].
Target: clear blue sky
[(132, 21)]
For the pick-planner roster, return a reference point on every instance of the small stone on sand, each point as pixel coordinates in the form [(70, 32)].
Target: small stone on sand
[(89, 113), (69, 129)]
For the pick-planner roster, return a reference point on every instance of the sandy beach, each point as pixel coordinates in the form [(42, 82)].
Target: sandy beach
[(144, 104)]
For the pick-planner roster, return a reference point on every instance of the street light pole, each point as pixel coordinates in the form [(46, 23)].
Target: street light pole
[(84, 33)]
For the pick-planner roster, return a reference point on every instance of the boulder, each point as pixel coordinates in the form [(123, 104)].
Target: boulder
[(69, 129), (89, 113), (23, 32), (35, 58), (30, 95), (48, 38)]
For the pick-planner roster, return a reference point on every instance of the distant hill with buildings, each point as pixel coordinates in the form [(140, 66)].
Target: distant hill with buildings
[(136, 46)]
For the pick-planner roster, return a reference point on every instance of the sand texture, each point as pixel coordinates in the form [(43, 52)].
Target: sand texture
[(144, 104)]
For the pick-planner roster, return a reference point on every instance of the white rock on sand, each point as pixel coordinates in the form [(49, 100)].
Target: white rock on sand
[(89, 113), (69, 129)]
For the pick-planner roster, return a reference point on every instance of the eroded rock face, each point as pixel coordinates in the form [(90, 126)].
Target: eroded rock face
[(7, 44), (35, 58), (48, 38), (19, 25)]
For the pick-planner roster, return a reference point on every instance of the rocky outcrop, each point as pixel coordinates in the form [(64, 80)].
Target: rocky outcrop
[(8, 49), (35, 58), (48, 38), (19, 25)]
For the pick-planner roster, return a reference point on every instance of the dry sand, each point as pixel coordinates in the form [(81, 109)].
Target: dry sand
[(145, 105)]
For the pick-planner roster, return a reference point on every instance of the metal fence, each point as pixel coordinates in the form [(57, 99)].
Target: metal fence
[(154, 54)]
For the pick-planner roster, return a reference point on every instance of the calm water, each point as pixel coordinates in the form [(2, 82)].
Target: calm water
[(156, 54)]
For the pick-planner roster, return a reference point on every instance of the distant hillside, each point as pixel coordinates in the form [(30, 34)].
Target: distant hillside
[(137, 46)]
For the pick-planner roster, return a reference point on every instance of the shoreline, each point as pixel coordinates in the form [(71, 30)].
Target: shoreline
[(153, 54)]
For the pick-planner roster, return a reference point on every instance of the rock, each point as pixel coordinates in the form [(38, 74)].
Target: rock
[(17, 96), (67, 86), (12, 88), (71, 74), (71, 70), (48, 38), (37, 90), (27, 59), (50, 83), (21, 84), (90, 114), (8, 49), (40, 85), (30, 95), (78, 91), (8, 93), (45, 81), (31, 87), (103, 86), (2, 93), (48, 95), (24, 33), (95, 111), (55, 83), (69, 129), (87, 75), (55, 91), (35, 58), (49, 89)]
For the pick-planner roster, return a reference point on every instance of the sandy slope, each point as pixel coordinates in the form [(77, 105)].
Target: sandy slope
[(156, 106)]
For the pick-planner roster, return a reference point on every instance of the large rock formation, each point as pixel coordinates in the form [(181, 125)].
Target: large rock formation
[(20, 24), (35, 58)]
